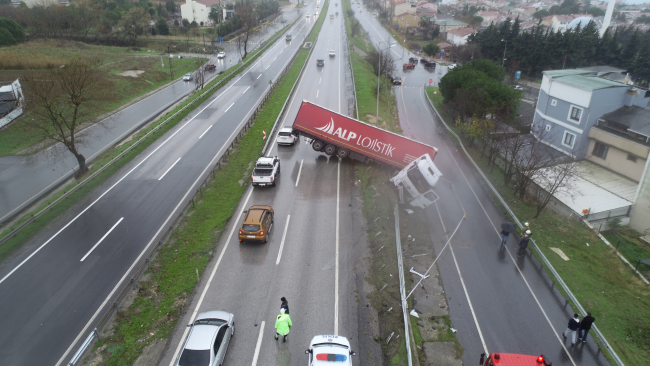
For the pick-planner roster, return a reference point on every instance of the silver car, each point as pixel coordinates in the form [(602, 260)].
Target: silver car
[(208, 340), (187, 77)]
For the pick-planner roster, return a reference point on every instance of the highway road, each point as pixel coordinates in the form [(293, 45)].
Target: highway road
[(498, 302), (57, 285), (24, 180), (312, 256)]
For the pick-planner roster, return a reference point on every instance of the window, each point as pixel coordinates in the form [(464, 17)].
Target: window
[(548, 127), (631, 158), (600, 150), (554, 102), (569, 139), (575, 114)]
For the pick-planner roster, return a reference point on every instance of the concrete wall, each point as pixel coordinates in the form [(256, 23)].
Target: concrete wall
[(640, 215)]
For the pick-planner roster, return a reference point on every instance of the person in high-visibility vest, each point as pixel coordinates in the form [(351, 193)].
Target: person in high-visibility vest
[(282, 325)]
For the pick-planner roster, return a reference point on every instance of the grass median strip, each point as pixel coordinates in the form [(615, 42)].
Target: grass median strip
[(170, 281), (600, 281), (7, 248)]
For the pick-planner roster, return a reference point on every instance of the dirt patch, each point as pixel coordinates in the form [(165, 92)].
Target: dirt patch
[(131, 73), (438, 353)]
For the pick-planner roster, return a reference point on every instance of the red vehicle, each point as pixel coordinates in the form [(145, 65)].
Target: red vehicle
[(408, 66), (210, 67), (511, 359), (336, 134)]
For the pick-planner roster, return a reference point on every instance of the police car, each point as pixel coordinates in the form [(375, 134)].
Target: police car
[(329, 350)]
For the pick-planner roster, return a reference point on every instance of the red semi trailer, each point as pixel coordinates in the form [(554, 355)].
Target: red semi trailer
[(336, 134)]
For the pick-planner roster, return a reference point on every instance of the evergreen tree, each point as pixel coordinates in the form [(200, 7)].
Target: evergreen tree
[(630, 50), (642, 65)]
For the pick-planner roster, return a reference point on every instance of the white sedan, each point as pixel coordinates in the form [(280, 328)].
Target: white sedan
[(187, 77), (221, 54), (286, 136), (208, 340)]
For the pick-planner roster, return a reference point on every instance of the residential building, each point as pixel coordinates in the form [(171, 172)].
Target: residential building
[(228, 13), (488, 17), (458, 37), (198, 11), (407, 20), (404, 8), (640, 214), (448, 2), (571, 102), (448, 24), (446, 49)]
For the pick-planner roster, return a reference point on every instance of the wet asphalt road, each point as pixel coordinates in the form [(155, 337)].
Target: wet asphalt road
[(56, 286), (498, 302)]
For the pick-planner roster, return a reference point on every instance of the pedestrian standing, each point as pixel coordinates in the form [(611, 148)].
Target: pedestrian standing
[(504, 236), (523, 244), (284, 304), (525, 228), (585, 325), (573, 326), (282, 325)]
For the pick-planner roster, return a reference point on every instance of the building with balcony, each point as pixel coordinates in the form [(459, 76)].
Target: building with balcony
[(198, 11)]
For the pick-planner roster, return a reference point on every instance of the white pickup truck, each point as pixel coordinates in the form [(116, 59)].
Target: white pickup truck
[(266, 171)]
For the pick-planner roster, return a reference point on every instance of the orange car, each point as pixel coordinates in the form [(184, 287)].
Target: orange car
[(257, 224)]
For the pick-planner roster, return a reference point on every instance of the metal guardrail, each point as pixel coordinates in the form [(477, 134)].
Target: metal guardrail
[(602, 215), (402, 289), (541, 255), (114, 307), (237, 69), (354, 86)]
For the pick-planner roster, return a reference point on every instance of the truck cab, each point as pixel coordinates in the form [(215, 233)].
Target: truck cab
[(266, 171), (512, 359), (418, 178)]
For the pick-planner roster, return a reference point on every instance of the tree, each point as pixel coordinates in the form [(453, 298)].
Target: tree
[(383, 60), (13, 34), (435, 32), (431, 49), (134, 23), (60, 101), (199, 78), (595, 11), (170, 5), (248, 15), (161, 27), (216, 14), (6, 38), (552, 180), (540, 14)]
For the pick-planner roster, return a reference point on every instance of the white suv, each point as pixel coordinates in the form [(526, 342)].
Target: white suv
[(329, 348), (286, 136)]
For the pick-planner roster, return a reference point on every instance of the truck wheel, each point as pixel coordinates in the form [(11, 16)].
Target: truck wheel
[(317, 145), (343, 153), (330, 149)]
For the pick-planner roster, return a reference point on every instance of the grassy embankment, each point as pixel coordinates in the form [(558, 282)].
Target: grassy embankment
[(159, 305), (601, 282), (35, 56), (21, 237)]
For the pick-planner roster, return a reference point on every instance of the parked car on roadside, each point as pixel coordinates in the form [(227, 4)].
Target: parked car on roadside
[(210, 67)]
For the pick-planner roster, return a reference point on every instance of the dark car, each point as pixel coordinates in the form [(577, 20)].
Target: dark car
[(413, 60), (320, 62), (423, 60), (429, 64), (210, 67), (397, 81), (408, 66)]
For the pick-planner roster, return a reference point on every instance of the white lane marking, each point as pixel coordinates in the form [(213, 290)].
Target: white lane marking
[(317, 91), (299, 170), (102, 239), (205, 131), (319, 80), (167, 171), (246, 90), (336, 271), (259, 344), (267, 66), (274, 58), (258, 76), (233, 103), (462, 282), (214, 271), (162, 227), (286, 226), (511, 257)]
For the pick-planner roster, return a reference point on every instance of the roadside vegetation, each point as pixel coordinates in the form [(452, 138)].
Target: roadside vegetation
[(171, 279), (601, 282)]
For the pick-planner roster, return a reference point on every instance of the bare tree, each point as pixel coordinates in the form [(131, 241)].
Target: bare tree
[(387, 64), (509, 151), (199, 78), (552, 180), (61, 99), (248, 17)]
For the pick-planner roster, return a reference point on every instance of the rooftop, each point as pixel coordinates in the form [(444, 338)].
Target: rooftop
[(450, 22), (582, 79), (462, 32), (636, 119)]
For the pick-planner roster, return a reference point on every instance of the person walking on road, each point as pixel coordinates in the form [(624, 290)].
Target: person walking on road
[(523, 244), (573, 326), (284, 305), (507, 227), (585, 325), (282, 325)]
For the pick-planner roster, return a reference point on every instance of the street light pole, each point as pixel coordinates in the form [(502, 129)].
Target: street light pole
[(378, 73), (504, 52)]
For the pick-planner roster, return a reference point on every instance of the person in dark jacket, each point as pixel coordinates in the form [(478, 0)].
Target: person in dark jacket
[(284, 305), (585, 325), (573, 326), (504, 236), (523, 244)]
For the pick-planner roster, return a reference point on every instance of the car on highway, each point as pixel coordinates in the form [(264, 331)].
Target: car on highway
[(423, 60), (332, 53), (413, 60), (315, 14), (429, 64), (210, 67), (286, 136), (208, 340), (307, 16), (221, 54), (187, 77), (288, 37), (266, 171), (329, 349), (257, 224), (320, 62), (397, 80), (408, 66), (331, 16)]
